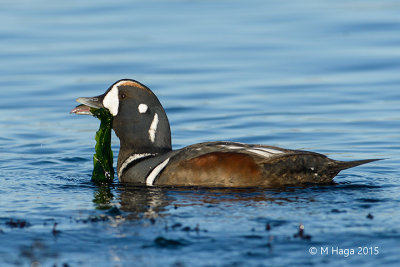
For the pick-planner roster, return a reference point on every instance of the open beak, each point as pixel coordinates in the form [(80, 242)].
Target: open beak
[(87, 103)]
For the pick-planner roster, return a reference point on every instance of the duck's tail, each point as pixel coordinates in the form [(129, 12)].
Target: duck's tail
[(338, 166)]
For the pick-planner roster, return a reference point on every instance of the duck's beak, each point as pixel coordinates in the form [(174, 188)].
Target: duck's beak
[(81, 110), (87, 103)]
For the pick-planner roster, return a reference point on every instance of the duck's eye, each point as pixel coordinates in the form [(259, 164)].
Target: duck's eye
[(123, 96)]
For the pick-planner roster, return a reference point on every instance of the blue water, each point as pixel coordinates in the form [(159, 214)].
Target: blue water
[(314, 75)]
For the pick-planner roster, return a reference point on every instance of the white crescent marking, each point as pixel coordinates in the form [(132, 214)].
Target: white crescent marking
[(152, 176)]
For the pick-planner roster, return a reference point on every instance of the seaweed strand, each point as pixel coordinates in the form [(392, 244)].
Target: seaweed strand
[(103, 170)]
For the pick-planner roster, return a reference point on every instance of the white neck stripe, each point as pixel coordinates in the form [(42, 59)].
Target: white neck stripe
[(153, 175), (153, 128), (131, 159)]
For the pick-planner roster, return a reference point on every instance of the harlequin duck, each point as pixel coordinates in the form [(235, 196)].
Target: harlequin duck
[(146, 155)]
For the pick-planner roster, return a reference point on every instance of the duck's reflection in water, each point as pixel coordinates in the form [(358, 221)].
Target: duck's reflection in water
[(153, 202), (142, 201)]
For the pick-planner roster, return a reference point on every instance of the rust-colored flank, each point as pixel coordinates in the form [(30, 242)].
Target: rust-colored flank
[(218, 169)]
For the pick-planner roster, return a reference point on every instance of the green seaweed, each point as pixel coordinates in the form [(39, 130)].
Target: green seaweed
[(103, 170)]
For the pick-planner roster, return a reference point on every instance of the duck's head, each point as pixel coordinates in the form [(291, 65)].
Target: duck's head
[(139, 120)]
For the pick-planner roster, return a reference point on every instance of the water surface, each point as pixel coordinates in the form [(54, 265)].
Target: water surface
[(314, 75)]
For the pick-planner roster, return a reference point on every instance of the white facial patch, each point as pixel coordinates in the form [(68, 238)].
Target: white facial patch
[(153, 128), (111, 101), (143, 108)]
